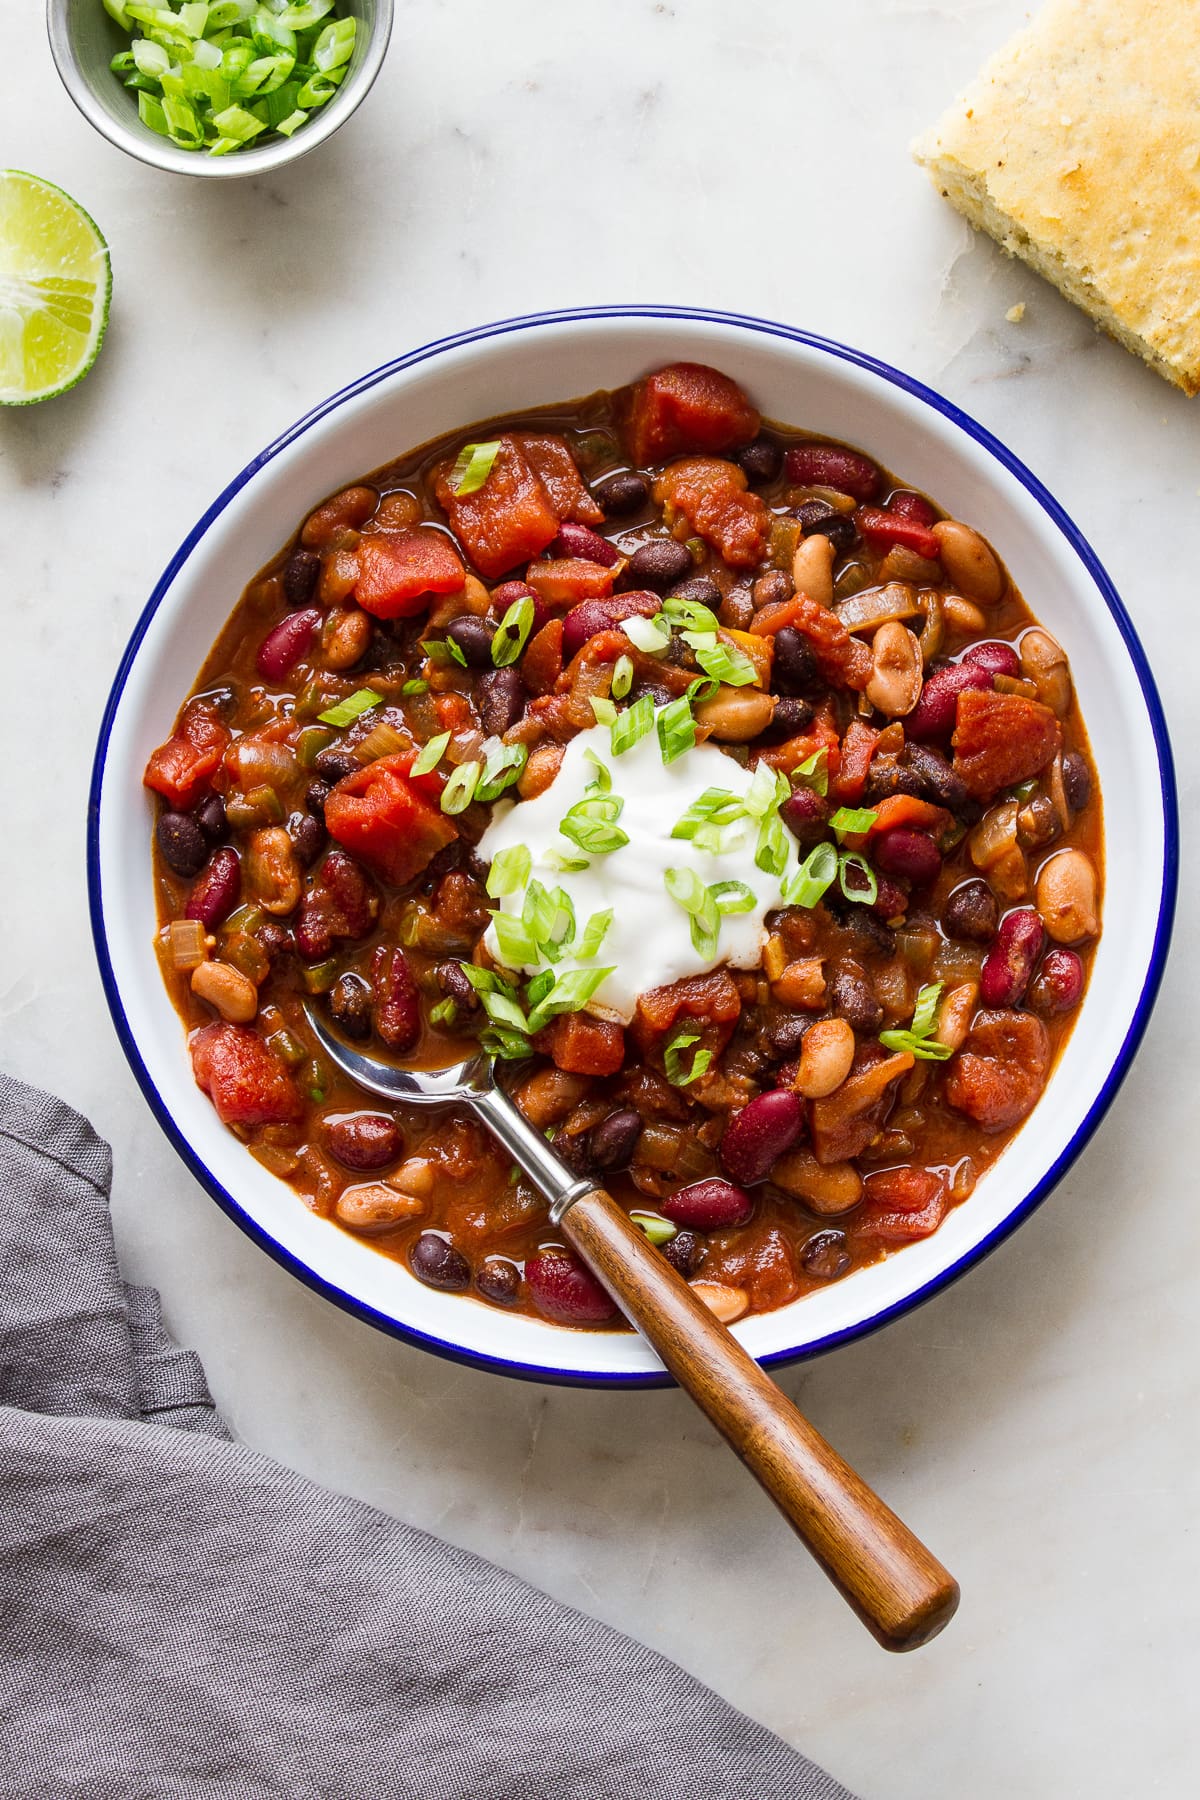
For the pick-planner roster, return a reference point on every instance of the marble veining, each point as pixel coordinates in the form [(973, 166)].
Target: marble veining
[(1037, 1421)]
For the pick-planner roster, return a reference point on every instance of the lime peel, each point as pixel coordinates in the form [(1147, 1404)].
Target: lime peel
[(55, 286)]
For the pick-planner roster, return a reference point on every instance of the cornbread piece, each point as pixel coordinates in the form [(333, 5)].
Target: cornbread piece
[(1078, 150)]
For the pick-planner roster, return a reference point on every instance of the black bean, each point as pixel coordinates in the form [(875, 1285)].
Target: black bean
[(760, 461), (438, 1264), (682, 1252), (474, 638), (623, 494), (612, 1142), (815, 516), (786, 1031), (274, 938), (182, 844), (972, 912), (853, 998), (315, 796), (939, 782), (499, 1280), (790, 717), (499, 700), (1038, 822), (300, 574), (794, 667), (350, 1004), (210, 817), (308, 837), (334, 764), (771, 588), (700, 588), (737, 610), (573, 1148), (825, 1255), (1077, 781), (455, 985), (658, 565), (887, 776)]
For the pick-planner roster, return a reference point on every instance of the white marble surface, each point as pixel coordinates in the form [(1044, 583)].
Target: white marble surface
[(1039, 1421)]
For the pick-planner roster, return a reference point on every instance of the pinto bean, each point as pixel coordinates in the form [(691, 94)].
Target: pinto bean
[(825, 1256), (1077, 781), (972, 912), (371, 1207), (812, 568), (349, 509), (1067, 897), (896, 670), (346, 637), (225, 988), (963, 615), (350, 1001), (736, 715), (969, 561), (827, 1189), (955, 1013), (769, 588), (548, 1096), (1044, 662), (826, 1053), (726, 1301), (271, 870), (498, 1280), (801, 984)]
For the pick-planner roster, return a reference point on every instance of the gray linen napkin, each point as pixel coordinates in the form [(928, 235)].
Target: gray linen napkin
[(182, 1617)]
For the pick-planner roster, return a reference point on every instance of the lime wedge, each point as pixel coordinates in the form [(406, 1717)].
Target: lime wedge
[(55, 282)]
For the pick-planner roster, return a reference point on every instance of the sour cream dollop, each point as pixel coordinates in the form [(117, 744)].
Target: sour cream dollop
[(649, 942)]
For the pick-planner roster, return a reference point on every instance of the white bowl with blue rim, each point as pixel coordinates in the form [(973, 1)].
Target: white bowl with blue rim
[(518, 365)]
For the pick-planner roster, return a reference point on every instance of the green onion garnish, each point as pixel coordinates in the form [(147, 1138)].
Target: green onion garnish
[(813, 878), (564, 864), (676, 728), (431, 755), (459, 791), (346, 711), (763, 792), (771, 851), (691, 615), (813, 772), (592, 824), (631, 726), (679, 1073), (622, 678), (651, 636), (733, 897), (601, 782), (416, 686), (515, 940), (509, 871), (715, 807), (852, 821), (443, 1013), (472, 467), (919, 1039), (603, 710), (594, 933), (657, 1229), (724, 662), (570, 993), (512, 633), (503, 765), (443, 651), (865, 888), (687, 890)]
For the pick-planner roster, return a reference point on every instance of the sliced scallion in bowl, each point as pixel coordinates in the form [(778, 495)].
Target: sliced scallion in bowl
[(215, 75)]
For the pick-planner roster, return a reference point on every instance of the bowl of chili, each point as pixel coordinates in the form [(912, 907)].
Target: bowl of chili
[(515, 373)]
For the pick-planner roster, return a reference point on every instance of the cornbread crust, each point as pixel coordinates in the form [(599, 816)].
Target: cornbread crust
[(1078, 150)]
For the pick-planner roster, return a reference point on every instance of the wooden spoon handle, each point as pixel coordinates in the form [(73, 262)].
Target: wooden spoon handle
[(899, 1590)]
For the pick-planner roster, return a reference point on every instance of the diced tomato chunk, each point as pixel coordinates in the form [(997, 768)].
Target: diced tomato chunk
[(541, 664), (883, 528), (858, 747), (712, 496), (506, 521), (399, 569), (846, 1121), (908, 811), (181, 770), (998, 1076), (551, 461), (1001, 740), (583, 1045), (383, 816), (568, 580), (713, 997), (245, 1080), (686, 406), (901, 1205)]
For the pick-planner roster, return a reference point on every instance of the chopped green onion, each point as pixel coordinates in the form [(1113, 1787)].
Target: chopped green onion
[(570, 993), (687, 890), (517, 946), (852, 821), (679, 1073), (538, 987), (676, 728), (512, 633), (632, 725), (564, 864), (594, 934), (443, 1013), (509, 1046), (443, 651), (919, 1039), (771, 851), (346, 711), (603, 710), (601, 782), (459, 791), (715, 806), (335, 45), (504, 764), (866, 887), (925, 1012), (310, 743), (733, 897), (592, 825), (622, 678), (431, 755), (813, 878), (651, 636), (472, 467), (657, 1229), (763, 792), (813, 772), (416, 686), (725, 662), (690, 615), (509, 871)]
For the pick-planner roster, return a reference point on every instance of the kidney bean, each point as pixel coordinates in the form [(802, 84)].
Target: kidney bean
[(182, 844), (997, 657), (890, 899), (581, 540), (216, 890), (474, 638), (350, 1001), (1077, 781), (334, 765), (910, 855), (935, 711), (828, 465), (592, 616), (762, 1131), (737, 610), (300, 574), (562, 1289), (283, 647), (826, 1056), (682, 1252), (658, 564), (622, 494), (785, 1033), (1058, 984), (825, 1255), (1038, 822), (913, 506), (972, 912), (438, 1264), (712, 1205), (794, 667), (345, 637), (612, 1142), (499, 700), (210, 817), (397, 1004), (498, 1280), (1009, 964), (853, 998), (365, 1140), (509, 591), (341, 903), (700, 588), (826, 1188), (308, 837), (760, 461)]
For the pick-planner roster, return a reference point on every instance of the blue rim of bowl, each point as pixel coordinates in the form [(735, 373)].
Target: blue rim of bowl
[(1162, 935)]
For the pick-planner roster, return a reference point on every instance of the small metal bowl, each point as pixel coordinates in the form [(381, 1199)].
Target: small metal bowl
[(84, 40)]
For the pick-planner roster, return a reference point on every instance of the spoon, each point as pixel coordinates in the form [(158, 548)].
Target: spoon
[(897, 1587)]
